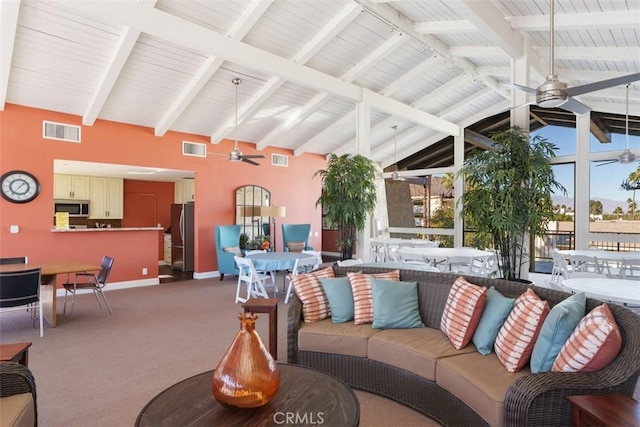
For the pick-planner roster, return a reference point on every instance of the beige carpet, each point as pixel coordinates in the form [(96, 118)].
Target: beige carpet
[(100, 370)]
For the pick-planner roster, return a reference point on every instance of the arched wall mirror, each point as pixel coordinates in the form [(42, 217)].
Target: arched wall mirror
[(248, 201)]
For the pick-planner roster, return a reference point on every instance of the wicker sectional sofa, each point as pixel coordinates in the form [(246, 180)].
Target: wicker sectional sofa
[(420, 369)]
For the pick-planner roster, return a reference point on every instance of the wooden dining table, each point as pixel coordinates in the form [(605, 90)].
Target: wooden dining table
[(48, 273)]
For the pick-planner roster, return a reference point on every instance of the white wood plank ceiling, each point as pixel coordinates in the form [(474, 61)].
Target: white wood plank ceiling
[(429, 65)]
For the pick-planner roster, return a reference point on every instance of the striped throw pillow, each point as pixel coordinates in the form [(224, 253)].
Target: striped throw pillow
[(315, 305), (593, 344), (519, 332), (462, 312), (362, 295)]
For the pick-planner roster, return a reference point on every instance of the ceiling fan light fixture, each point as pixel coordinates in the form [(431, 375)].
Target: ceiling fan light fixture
[(626, 157), (552, 93), (235, 155)]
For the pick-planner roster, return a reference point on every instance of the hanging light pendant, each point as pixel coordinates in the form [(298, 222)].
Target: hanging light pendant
[(627, 156), (394, 174), (236, 154)]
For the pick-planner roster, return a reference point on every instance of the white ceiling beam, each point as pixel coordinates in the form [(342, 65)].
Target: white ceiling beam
[(477, 51), (360, 68), (406, 78), (321, 39), (578, 21), (440, 91), (592, 53), (239, 29), (9, 10), (446, 27), (183, 33), (566, 21), (123, 49)]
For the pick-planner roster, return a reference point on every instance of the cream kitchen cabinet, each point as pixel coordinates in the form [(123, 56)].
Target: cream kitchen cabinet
[(106, 198), (167, 248), (71, 187), (185, 191)]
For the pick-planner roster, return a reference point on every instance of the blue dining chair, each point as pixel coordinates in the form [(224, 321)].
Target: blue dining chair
[(227, 246), (295, 237)]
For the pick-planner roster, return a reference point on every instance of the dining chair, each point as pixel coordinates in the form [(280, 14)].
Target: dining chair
[(227, 239), (630, 269), (92, 281), (404, 255), (458, 264), (295, 237), (20, 290), (585, 264), (315, 254), (261, 251), (255, 282), (349, 262), (302, 265)]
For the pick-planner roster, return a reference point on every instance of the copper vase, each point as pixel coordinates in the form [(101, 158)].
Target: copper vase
[(247, 376)]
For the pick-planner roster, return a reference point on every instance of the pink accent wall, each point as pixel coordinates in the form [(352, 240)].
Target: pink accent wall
[(216, 178)]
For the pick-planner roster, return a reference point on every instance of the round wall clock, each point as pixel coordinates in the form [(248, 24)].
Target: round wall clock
[(19, 186)]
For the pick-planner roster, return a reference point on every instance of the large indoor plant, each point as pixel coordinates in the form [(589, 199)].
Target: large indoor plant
[(348, 196), (508, 194)]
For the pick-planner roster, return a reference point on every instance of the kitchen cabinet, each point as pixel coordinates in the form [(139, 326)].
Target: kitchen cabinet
[(167, 248), (106, 198), (185, 191), (71, 187)]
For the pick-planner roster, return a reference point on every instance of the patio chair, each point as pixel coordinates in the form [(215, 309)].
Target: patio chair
[(302, 265), (20, 290), (261, 251), (255, 282), (630, 269), (560, 270), (586, 264), (458, 264)]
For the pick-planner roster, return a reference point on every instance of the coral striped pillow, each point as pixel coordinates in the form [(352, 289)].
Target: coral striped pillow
[(315, 305), (519, 332), (462, 312), (362, 295), (593, 344)]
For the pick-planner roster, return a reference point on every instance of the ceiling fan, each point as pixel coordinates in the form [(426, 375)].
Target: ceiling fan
[(236, 155), (555, 93), (394, 175), (626, 156)]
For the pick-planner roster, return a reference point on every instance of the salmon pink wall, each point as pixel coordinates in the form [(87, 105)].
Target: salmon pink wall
[(22, 147)]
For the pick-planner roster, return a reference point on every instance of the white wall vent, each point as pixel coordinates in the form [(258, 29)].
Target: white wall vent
[(196, 149), (280, 160), (60, 131)]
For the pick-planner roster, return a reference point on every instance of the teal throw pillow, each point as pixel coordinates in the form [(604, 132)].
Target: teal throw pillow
[(556, 330), (340, 297), (496, 309), (395, 304)]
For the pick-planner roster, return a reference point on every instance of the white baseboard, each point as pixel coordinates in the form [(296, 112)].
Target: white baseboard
[(118, 285), (206, 275)]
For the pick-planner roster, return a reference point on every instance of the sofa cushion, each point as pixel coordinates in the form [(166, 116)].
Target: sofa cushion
[(480, 381), (17, 410), (395, 304), (517, 336), (362, 297), (594, 343), (556, 329), (308, 288), (496, 309), (415, 350), (462, 312), (341, 338), (338, 292), (296, 246)]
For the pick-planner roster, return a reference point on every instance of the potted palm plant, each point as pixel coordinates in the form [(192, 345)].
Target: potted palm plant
[(348, 196), (508, 194)]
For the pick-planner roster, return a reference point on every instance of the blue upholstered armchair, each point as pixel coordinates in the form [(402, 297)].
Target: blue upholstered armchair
[(227, 236), (293, 235)]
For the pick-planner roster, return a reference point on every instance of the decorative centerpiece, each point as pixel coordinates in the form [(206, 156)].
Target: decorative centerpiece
[(247, 376)]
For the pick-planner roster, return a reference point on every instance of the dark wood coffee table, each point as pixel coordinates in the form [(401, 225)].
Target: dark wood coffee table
[(306, 397)]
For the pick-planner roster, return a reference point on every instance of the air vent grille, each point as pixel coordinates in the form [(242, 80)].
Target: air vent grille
[(280, 160), (195, 149), (60, 131)]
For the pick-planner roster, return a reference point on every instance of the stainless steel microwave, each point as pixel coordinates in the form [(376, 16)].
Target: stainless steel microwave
[(75, 208)]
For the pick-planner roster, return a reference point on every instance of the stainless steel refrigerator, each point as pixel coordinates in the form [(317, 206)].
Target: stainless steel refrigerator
[(182, 233)]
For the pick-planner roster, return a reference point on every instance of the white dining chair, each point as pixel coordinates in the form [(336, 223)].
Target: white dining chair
[(630, 269), (458, 264), (349, 262), (302, 265), (255, 282), (586, 264), (261, 251), (560, 270)]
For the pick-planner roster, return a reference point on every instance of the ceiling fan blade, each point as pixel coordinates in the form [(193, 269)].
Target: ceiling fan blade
[(253, 156), (251, 162), (523, 88), (575, 106), (603, 84), (606, 162)]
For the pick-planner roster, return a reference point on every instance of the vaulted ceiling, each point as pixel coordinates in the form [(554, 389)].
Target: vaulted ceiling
[(427, 66)]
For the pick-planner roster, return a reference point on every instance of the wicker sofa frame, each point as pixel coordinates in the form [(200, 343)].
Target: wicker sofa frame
[(17, 379), (532, 400)]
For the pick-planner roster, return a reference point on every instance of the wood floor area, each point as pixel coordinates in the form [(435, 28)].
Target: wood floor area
[(167, 274)]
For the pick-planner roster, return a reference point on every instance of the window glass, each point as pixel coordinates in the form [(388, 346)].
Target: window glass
[(563, 137)]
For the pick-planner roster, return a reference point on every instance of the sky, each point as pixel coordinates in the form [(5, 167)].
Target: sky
[(605, 179)]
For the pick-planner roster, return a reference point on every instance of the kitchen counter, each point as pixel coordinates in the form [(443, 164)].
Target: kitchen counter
[(92, 230)]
